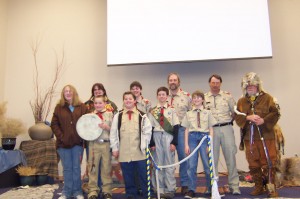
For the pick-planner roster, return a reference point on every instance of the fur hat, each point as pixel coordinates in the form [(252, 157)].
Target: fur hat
[(251, 78)]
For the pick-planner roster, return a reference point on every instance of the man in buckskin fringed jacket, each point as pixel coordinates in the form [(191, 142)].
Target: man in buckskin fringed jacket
[(259, 115)]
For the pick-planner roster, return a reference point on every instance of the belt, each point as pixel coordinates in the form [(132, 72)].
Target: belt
[(102, 140), (223, 124)]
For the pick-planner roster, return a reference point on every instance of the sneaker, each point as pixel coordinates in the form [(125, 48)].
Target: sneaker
[(79, 197), (62, 197), (93, 197), (184, 190), (235, 191), (107, 196), (189, 194)]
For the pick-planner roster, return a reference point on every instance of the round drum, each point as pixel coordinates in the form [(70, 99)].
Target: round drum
[(87, 127)]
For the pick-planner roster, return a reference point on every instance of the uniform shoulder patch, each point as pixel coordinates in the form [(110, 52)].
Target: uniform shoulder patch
[(186, 93), (226, 92), (146, 101)]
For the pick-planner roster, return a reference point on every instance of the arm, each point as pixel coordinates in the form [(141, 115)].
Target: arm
[(114, 136), (211, 131), (186, 141), (146, 133), (174, 142), (152, 120), (147, 129), (55, 124), (231, 104), (152, 143), (270, 120), (176, 125), (114, 107), (241, 120), (148, 106)]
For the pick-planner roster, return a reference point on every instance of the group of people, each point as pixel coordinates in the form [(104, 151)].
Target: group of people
[(177, 122)]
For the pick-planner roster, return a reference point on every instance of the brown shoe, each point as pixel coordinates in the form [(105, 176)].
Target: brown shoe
[(184, 190), (256, 174), (258, 190), (272, 193)]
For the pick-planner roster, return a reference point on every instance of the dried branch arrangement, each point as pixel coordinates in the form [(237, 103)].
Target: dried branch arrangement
[(41, 104), (10, 127)]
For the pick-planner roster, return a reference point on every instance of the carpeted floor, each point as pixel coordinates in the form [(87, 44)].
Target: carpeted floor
[(119, 192)]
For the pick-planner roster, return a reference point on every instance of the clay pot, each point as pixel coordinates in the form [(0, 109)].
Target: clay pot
[(40, 131)]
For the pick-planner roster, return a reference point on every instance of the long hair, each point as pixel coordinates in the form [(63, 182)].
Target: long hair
[(76, 101), (100, 87)]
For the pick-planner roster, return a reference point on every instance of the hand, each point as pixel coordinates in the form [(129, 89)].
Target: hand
[(172, 147), (187, 150), (115, 154), (103, 126), (256, 119), (252, 118), (259, 121)]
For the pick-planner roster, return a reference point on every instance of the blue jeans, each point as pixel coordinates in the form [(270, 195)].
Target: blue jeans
[(181, 155), (128, 170), (71, 159), (194, 140)]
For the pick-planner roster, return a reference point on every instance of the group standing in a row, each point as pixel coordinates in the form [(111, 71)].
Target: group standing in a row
[(178, 122)]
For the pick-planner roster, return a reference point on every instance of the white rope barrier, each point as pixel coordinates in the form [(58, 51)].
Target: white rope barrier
[(215, 192)]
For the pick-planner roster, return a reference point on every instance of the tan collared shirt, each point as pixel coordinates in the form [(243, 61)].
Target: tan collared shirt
[(221, 106), (206, 120), (181, 101), (169, 113), (129, 143), (107, 119)]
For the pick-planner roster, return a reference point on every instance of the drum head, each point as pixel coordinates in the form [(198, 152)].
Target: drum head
[(87, 127)]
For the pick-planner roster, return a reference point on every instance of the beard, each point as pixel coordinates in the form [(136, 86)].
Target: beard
[(173, 86), (252, 93)]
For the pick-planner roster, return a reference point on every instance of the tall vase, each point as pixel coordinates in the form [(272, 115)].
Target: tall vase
[(40, 131)]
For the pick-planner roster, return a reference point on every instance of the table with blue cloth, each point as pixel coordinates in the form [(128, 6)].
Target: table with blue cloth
[(9, 161), (42, 155)]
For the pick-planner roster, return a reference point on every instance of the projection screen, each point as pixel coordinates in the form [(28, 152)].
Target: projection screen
[(159, 31)]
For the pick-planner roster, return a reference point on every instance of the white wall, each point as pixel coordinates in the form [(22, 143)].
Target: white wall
[(3, 30), (80, 26)]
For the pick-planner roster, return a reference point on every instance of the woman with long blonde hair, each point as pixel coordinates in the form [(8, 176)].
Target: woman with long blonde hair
[(69, 145)]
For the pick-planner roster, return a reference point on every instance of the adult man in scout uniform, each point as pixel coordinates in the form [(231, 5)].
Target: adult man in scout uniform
[(221, 104), (181, 101)]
